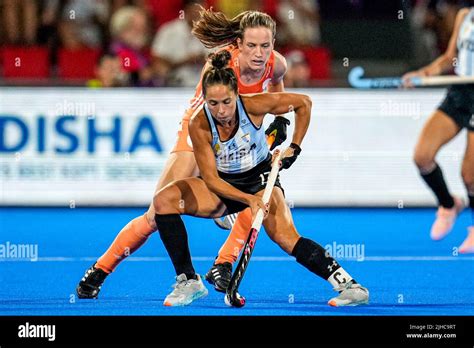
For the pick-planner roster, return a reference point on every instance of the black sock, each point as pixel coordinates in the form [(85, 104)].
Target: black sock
[(471, 205), (435, 181), (315, 258), (175, 238)]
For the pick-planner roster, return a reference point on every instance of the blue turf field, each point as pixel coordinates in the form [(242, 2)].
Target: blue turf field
[(406, 273)]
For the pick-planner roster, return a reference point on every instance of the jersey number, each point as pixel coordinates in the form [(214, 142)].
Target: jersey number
[(264, 178)]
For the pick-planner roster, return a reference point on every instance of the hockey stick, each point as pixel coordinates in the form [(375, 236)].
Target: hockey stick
[(227, 222), (232, 297), (356, 80)]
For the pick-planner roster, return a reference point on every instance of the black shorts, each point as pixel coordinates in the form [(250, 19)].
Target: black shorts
[(251, 182), (459, 105)]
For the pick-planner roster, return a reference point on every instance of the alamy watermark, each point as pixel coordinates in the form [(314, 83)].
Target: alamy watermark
[(346, 251), (81, 109), (28, 330), (11, 251), (400, 109)]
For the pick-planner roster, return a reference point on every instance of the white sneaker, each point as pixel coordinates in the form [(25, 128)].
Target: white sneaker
[(185, 291), (350, 295), (226, 222)]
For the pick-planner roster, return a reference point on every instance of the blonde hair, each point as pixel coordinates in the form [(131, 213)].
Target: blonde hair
[(121, 19), (214, 29)]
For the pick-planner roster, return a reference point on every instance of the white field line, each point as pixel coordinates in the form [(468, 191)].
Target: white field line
[(254, 259)]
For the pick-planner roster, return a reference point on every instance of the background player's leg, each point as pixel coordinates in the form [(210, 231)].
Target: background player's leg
[(468, 178), (235, 241), (439, 130), (220, 273), (281, 229), (130, 238)]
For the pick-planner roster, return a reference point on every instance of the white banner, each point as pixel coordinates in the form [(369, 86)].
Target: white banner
[(81, 147)]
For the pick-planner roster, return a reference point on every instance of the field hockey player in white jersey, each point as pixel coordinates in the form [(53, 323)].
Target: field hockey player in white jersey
[(455, 113)]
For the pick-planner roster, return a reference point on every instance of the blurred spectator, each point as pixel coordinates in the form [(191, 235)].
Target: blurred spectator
[(82, 23), (447, 10), (424, 21), (433, 23), (299, 23), (299, 71), (20, 21), (49, 22), (109, 73), (232, 8), (130, 35), (179, 56)]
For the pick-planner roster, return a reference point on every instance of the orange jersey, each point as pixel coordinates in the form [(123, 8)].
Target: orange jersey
[(258, 87)]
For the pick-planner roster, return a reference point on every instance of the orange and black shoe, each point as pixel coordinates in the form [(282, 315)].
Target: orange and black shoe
[(90, 284), (219, 276)]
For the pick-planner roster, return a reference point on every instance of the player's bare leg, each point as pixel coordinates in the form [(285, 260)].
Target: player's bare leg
[(180, 165), (190, 196), (439, 130), (468, 177)]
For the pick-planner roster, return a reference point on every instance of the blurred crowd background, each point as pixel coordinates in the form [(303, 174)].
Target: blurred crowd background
[(148, 43)]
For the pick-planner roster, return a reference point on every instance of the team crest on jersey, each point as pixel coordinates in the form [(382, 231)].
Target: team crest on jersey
[(246, 138), (217, 148), (266, 83), (465, 31)]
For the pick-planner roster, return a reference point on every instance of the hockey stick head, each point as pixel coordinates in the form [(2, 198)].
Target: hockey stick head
[(233, 299), (356, 80)]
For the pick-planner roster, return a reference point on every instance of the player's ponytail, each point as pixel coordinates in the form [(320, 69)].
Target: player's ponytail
[(220, 72)]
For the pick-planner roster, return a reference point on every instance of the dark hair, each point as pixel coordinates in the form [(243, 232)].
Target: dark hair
[(219, 73), (215, 29), (187, 3)]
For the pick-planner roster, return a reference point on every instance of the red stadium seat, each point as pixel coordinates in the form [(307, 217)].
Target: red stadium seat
[(25, 62), (78, 63), (319, 59)]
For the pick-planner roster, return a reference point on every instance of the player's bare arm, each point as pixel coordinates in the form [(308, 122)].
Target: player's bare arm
[(280, 103), (201, 137)]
